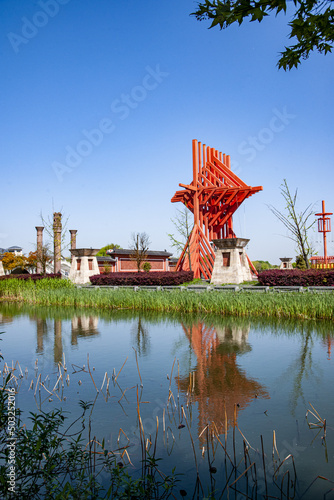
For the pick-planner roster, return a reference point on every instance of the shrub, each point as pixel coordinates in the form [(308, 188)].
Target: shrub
[(155, 278), (147, 267), (297, 277)]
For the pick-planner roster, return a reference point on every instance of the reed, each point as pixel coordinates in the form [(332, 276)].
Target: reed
[(291, 305)]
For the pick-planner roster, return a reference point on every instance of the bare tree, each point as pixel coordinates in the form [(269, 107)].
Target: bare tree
[(298, 224), (183, 224), (139, 244)]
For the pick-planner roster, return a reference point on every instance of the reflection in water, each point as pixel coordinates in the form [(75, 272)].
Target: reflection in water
[(141, 337), (328, 342), (220, 383), (5, 319), (42, 330), (81, 326)]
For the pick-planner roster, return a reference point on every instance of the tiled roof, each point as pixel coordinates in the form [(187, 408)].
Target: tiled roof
[(106, 258), (124, 251)]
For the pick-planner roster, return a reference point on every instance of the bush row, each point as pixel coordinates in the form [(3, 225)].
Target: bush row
[(155, 278), (297, 277), (33, 277)]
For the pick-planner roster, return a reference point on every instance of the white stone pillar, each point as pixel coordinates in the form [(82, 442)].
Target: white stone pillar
[(84, 264), (231, 263)]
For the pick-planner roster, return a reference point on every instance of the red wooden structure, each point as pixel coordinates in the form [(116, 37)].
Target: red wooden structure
[(213, 196), (324, 226)]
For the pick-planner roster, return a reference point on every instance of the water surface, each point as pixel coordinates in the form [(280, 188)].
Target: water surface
[(260, 375)]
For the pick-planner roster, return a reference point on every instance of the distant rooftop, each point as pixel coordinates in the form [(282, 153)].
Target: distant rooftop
[(11, 249), (124, 251)]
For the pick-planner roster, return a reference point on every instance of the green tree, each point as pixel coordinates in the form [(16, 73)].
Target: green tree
[(311, 27), (300, 262), (103, 251), (298, 224)]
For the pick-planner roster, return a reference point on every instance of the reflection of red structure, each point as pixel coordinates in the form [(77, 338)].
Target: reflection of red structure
[(213, 196), (328, 343), (324, 226), (219, 381)]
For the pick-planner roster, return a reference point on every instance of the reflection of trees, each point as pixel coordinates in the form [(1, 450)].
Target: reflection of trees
[(140, 336), (301, 368), (41, 330), (220, 383)]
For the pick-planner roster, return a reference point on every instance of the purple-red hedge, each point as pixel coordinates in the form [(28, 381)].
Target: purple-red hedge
[(153, 278), (33, 277), (296, 277)]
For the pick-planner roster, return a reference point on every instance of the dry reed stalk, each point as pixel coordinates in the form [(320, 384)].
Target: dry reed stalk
[(90, 373), (225, 414), (234, 425), (123, 393), (119, 436), (18, 364), (141, 382), (248, 443), (191, 438), (314, 480), (293, 463), (120, 370), (31, 385), (242, 474), (203, 430), (51, 393), (56, 384), (82, 368), (178, 379), (142, 434), (224, 448), (156, 437), (275, 447), (171, 395), (264, 467), (163, 421), (38, 379), (104, 378), (125, 452), (148, 441)]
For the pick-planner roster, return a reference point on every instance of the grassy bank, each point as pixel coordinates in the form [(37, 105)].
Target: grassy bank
[(62, 293)]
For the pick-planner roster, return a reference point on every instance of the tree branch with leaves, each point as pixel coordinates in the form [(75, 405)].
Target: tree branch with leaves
[(311, 27)]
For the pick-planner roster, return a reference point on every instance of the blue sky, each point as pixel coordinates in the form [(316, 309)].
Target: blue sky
[(100, 102)]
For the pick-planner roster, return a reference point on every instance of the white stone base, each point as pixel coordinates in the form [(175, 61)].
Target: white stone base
[(231, 263), (84, 265), (2, 272)]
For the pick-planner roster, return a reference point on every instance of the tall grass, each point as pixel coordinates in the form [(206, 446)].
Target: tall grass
[(63, 293)]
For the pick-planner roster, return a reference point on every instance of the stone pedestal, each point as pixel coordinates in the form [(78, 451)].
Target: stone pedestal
[(84, 265), (286, 263), (231, 264)]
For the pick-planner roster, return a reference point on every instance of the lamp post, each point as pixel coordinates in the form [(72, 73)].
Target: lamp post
[(324, 226)]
